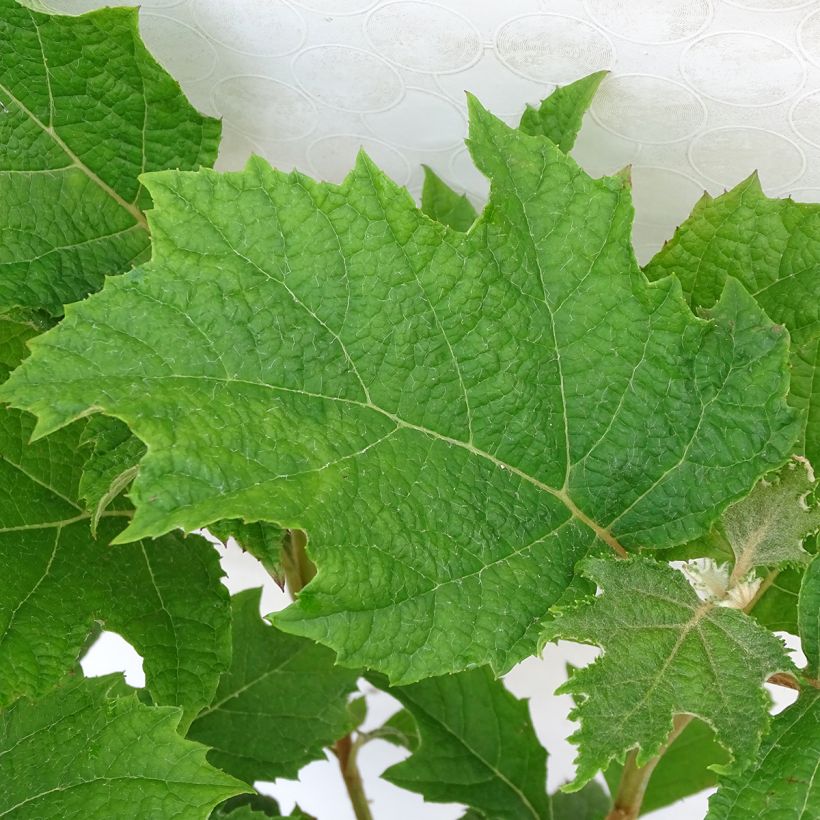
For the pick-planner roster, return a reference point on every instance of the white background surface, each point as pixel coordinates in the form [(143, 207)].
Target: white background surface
[(701, 93)]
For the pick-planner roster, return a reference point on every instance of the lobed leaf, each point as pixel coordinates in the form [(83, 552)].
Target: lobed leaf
[(665, 653), (85, 111), (455, 419), (771, 246)]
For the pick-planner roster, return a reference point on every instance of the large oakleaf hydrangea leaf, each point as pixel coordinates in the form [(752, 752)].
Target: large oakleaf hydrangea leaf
[(666, 652), (84, 110), (83, 751), (772, 246), (782, 782), (476, 746), (280, 703), (455, 419), (164, 596)]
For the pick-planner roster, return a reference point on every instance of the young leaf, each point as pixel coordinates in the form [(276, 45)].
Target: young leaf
[(771, 246), (440, 202), (163, 596), (590, 803), (768, 527), (781, 783), (498, 402), (560, 115), (808, 614), (79, 752), (665, 653), (558, 118), (280, 703), (85, 110), (476, 746)]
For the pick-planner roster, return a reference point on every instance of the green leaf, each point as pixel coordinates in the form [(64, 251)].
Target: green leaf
[(85, 110), (163, 596), (665, 653), (280, 703), (78, 752), (260, 539), (771, 246), (400, 730), (560, 115), (768, 527), (248, 807), (781, 783), (684, 768), (501, 402), (440, 202), (777, 607), (477, 747), (590, 803), (808, 615), (558, 118)]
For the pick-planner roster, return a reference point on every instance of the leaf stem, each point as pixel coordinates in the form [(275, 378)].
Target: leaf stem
[(345, 750), (634, 778), (299, 571)]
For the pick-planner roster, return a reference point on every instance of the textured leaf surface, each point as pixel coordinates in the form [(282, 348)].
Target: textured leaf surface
[(163, 596), (591, 803), (768, 527), (440, 202), (683, 770), (558, 118), (477, 747), (498, 402), (771, 246), (260, 539), (280, 703), (808, 613), (85, 110), (78, 752), (777, 608), (782, 783), (665, 653)]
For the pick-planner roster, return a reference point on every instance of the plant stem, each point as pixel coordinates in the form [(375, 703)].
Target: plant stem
[(634, 778), (299, 570), (345, 751)]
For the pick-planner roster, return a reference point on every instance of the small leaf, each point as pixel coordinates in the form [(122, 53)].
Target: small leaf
[(401, 730), (85, 111), (665, 653), (79, 752), (280, 703), (260, 539), (768, 527), (808, 616), (476, 746), (781, 783), (772, 247)]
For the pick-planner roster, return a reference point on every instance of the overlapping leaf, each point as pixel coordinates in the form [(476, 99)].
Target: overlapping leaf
[(665, 653), (476, 746), (558, 118), (278, 706), (771, 246), (84, 110), (808, 614), (163, 596), (455, 419), (84, 750), (781, 783)]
